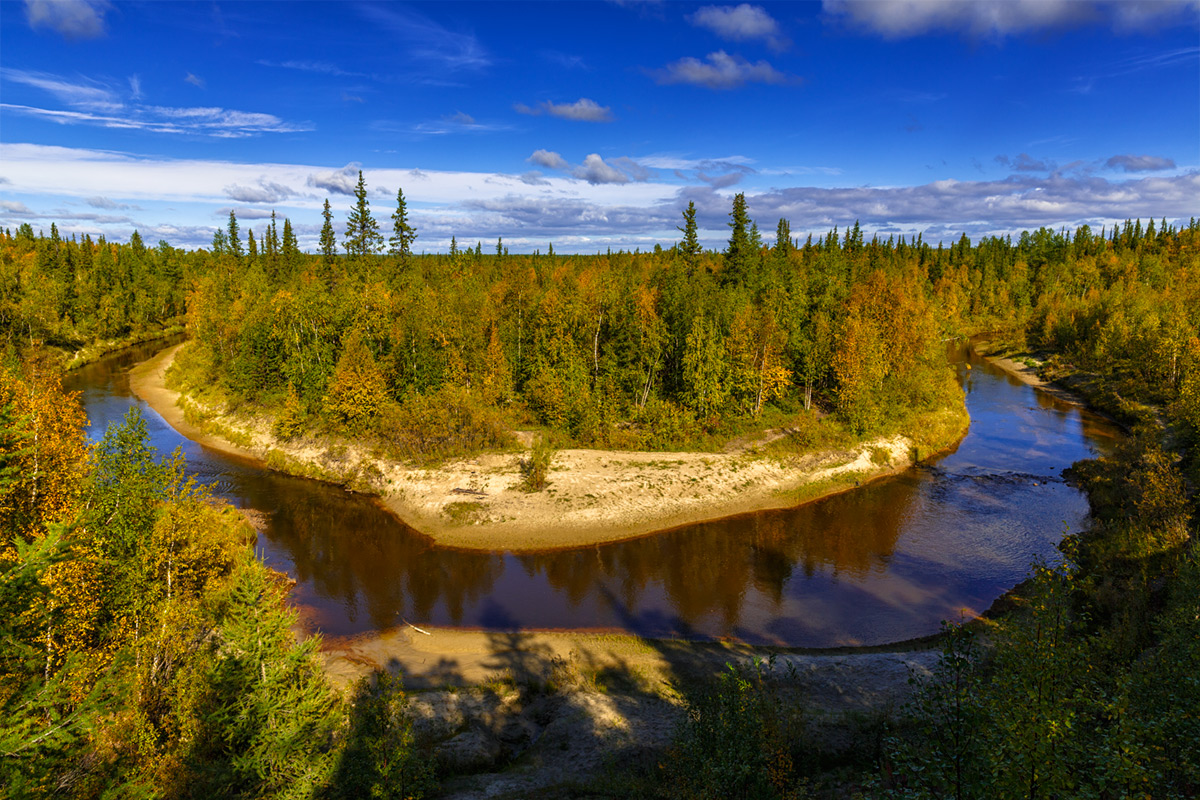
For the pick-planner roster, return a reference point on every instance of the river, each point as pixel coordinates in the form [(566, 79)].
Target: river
[(883, 563)]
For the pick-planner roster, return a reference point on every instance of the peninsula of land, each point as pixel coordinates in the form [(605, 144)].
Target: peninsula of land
[(593, 497)]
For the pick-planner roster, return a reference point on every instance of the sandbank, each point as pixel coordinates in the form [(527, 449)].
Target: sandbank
[(593, 497)]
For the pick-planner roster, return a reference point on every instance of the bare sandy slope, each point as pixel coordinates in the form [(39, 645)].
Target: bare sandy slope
[(593, 496)]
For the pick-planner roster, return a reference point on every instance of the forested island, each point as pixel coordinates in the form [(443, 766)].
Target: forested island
[(147, 652)]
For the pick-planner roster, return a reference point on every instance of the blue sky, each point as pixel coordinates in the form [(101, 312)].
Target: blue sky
[(591, 125)]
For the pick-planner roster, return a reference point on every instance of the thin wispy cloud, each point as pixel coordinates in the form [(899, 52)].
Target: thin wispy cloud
[(719, 70), (81, 93), (900, 19), (426, 41), (194, 80), (582, 110), (318, 67), (741, 23), (1133, 65), (564, 60), (107, 105), (107, 204), (71, 19)]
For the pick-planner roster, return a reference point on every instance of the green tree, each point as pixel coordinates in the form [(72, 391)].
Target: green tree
[(403, 233), (689, 247), (363, 238), (328, 238), (234, 242), (705, 369), (741, 257)]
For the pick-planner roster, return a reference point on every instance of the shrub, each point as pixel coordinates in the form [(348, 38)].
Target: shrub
[(535, 468)]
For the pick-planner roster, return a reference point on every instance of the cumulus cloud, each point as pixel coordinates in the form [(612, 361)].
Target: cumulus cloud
[(1025, 163), (14, 208), (595, 169), (719, 70), (265, 192), (548, 159), (338, 181), (1131, 163), (460, 118), (582, 110), (741, 23), (71, 19), (897, 19)]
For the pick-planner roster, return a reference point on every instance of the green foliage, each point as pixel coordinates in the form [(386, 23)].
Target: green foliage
[(290, 422), (267, 716), (737, 739), (448, 424), (535, 468), (379, 758), (941, 749)]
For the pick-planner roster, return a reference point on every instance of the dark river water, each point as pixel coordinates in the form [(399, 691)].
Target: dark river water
[(882, 563)]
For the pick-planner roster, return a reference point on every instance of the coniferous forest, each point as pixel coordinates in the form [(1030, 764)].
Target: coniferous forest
[(146, 652)]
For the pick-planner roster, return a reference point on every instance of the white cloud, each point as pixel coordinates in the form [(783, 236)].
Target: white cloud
[(265, 192), (426, 41), (105, 203), (741, 23), (719, 70), (15, 209), (338, 181), (101, 105), (582, 110), (71, 19), (548, 159), (194, 80), (476, 205), (594, 169), (896, 19), (89, 95), (460, 118)]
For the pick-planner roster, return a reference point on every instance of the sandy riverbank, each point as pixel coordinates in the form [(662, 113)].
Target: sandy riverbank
[(594, 496)]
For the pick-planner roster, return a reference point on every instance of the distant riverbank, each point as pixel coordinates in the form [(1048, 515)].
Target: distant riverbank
[(594, 496)]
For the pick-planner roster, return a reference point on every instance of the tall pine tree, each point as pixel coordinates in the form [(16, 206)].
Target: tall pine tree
[(362, 232), (404, 234)]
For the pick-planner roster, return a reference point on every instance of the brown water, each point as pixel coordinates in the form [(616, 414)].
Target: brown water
[(883, 563)]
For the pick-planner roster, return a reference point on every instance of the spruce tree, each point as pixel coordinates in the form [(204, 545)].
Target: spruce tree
[(404, 234), (740, 255), (689, 248), (362, 232), (235, 243), (328, 240)]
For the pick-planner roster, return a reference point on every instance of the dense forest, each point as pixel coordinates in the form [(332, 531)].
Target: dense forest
[(144, 651)]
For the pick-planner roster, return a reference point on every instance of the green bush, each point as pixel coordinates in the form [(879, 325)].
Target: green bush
[(535, 468)]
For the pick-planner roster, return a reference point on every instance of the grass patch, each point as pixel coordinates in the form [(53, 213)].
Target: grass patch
[(465, 512)]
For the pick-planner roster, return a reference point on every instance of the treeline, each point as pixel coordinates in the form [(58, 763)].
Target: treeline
[(144, 650), (656, 350), (68, 292)]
